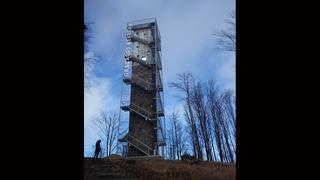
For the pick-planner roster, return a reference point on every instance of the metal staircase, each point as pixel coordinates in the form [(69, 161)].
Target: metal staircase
[(138, 60), (139, 110), (147, 86), (144, 41), (139, 145)]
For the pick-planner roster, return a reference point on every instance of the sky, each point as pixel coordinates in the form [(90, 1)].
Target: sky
[(186, 28)]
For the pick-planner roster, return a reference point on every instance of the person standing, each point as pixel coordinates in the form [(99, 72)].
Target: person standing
[(98, 149)]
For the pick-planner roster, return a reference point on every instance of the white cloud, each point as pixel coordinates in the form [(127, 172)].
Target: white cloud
[(186, 28), (227, 72), (177, 107), (98, 98)]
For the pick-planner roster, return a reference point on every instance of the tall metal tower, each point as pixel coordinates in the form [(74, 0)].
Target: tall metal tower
[(142, 90)]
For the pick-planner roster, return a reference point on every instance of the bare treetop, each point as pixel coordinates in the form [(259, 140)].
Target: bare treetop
[(227, 37)]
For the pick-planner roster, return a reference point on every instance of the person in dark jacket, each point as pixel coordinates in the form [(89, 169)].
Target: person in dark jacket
[(98, 149)]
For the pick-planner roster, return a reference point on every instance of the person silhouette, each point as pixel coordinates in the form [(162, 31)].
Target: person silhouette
[(98, 149)]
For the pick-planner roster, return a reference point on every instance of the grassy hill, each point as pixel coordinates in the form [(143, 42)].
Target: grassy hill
[(150, 168)]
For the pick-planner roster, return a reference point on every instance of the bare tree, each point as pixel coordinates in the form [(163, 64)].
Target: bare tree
[(229, 107), (89, 63), (87, 29), (212, 101), (198, 104), (174, 134), (212, 138), (228, 103), (221, 108), (189, 130), (225, 132), (210, 117), (108, 131), (177, 141), (180, 136), (227, 37), (89, 58), (184, 84), (85, 37), (171, 142)]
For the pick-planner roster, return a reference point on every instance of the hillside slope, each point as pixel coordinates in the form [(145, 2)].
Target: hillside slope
[(155, 168)]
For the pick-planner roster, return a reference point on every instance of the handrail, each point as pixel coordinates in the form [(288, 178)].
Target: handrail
[(137, 38), (147, 113), (161, 102), (159, 84), (147, 150), (142, 82), (158, 59), (142, 21)]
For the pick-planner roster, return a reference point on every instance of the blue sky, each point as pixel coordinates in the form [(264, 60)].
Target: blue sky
[(186, 28)]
